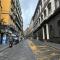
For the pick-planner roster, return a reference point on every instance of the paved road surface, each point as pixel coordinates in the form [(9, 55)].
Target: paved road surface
[(30, 50), (18, 52), (43, 51)]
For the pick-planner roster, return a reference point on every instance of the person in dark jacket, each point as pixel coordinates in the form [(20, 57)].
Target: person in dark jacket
[(10, 42)]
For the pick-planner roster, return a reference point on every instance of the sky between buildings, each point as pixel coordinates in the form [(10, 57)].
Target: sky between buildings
[(28, 8)]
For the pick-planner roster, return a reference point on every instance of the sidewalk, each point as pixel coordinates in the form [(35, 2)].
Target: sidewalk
[(45, 50), (3, 47), (54, 45)]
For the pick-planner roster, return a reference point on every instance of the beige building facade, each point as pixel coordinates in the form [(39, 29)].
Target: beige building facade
[(45, 20)]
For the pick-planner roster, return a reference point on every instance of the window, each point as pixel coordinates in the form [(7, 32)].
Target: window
[(56, 3), (44, 1), (39, 20), (44, 13), (41, 17), (41, 3), (49, 8)]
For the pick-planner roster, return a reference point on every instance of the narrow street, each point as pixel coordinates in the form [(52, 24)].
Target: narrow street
[(30, 50), (29, 29)]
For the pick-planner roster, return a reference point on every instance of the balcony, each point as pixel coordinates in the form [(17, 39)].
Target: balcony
[(12, 15), (13, 28)]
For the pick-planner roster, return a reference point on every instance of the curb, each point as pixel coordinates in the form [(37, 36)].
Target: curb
[(53, 45), (3, 49)]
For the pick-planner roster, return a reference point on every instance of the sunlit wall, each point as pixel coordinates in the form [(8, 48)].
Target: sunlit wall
[(6, 6)]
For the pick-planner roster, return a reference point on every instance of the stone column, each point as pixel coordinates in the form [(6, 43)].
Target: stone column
[(47, 31), (43, 33)]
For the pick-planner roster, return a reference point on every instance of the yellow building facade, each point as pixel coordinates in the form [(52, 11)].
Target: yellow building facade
[(5, 12), (11, 23)]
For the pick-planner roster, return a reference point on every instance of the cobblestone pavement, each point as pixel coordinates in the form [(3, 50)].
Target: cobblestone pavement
[(18, 52), (43, 51)]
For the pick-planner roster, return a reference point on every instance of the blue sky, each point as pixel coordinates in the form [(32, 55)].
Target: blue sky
[(28, 8)]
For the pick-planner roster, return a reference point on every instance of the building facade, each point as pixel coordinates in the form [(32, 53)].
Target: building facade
[(28, 32), (11, 19), (30, 35), (46, 21)]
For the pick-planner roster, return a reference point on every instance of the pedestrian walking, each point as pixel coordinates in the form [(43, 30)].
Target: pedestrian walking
[(10, 42)]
